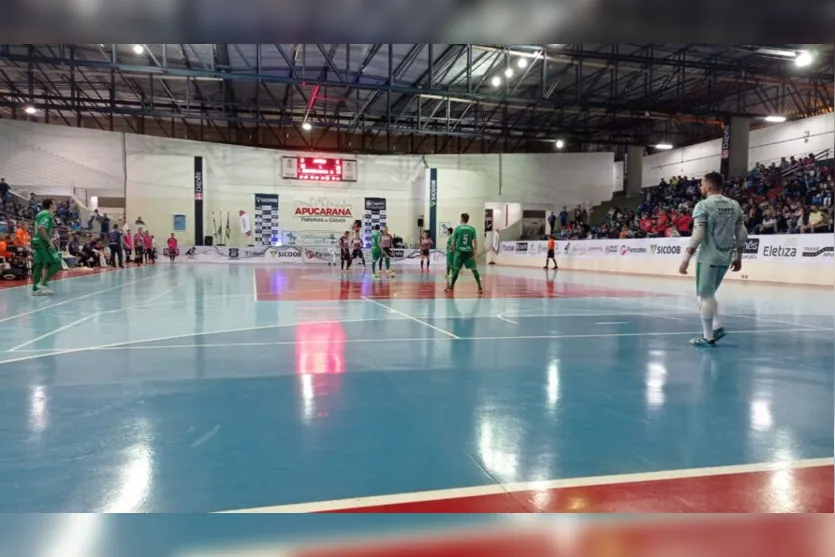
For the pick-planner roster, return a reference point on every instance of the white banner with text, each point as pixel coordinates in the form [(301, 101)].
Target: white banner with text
[(806, 249)]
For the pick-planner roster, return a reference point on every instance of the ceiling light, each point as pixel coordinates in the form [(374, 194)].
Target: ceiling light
[(306, 126), (560, 144), (30, 110), (775, 119), (522, 63), (508, 73), (804, 58), (496, 81), (663, 146), (138, 49)]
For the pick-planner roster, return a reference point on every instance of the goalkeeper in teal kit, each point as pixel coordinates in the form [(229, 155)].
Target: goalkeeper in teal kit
[(465, 246), (718, 241)]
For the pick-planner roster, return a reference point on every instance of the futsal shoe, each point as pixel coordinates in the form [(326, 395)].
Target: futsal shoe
[(375, 276), (702, 341), (719, 334)]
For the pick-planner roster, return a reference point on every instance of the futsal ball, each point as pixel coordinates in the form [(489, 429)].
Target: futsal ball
[(392, 274)]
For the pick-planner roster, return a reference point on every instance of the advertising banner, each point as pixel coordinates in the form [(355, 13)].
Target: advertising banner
[(433, 205), (266, 219), (375, 213), (804, 249), (198, 201)]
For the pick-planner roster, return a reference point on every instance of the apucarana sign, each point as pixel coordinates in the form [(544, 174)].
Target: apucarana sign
[(805, 249), (323, 210)]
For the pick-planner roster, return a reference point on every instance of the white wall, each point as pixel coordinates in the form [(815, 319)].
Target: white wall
[(617, 176), (158, 174), (766, 145)]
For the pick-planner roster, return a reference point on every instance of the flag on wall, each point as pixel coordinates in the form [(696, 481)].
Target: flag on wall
[(375, 213), (266, 218)]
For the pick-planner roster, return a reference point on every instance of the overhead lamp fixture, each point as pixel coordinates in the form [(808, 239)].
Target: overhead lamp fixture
[(508, 73), (664, 146), (775, 119), (779, 52), (496, 81), (306, 126), (804, 58), (138, 49), (522, 63), (30, 110), (559, 143)]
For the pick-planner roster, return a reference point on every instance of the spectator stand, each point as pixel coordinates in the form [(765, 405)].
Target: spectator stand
[(794, 195)]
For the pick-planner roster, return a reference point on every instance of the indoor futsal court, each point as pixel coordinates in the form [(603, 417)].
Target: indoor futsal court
[(203, 388)]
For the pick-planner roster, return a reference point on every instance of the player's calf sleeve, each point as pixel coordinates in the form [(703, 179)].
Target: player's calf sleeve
[(36, 277), (388, 264), (477, 278), (454, 278)]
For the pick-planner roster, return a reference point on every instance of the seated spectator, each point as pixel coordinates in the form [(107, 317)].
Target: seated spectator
[(5, 191)]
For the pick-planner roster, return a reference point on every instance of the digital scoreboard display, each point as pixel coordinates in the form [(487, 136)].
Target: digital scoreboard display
[(319, 169)]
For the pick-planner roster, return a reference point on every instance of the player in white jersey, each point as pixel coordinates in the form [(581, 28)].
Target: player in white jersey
[(718, 240)]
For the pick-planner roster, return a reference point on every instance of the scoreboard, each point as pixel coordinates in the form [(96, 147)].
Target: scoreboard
[(319, 169)]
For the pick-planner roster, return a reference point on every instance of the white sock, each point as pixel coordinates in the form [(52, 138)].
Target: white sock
[(708, 310), (717, 321)]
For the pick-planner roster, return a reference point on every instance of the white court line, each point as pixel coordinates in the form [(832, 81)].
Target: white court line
[(509, 488), (61, 303), (83, 319), (406, 315), (612, 323), (503, 318), (743, 316), (155, 298), (50, 333), (62, 279), (130, 345)]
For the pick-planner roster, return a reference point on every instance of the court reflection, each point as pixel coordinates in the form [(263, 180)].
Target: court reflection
[(320, 355)]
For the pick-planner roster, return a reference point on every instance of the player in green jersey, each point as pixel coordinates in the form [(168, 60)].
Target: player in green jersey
[(450, 255), (46, 260), (378, 254), (718, 241), (465, 244)]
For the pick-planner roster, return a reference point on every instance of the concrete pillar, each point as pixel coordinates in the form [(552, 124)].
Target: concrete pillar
[(633, 170), (735, 143)]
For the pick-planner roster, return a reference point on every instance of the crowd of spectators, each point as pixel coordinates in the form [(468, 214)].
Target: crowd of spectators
[(794, 196), (100, 242)]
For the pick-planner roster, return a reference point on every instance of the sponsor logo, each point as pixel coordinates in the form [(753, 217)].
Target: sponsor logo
[(375, 204), (665, 250), (780, 251), (578, 249), (626, 250), (233, 253), (397, 253), (827, 251), (198, 185), (752, 246), (314, 254), (262, 200), (286, 253), (541, 248), (611, 249), (433, 193), (521, 247), (596, 249), (508, 247), (323, 210)]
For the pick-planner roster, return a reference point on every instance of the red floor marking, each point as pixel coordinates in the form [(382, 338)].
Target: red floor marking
[(802, 490), (763, 536), (71, 273), (304, 285)]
